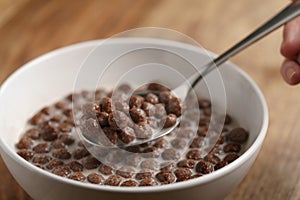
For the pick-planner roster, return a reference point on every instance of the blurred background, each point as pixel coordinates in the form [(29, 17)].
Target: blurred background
[(29, 28)]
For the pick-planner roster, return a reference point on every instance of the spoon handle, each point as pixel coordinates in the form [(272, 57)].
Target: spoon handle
[(285, 15)]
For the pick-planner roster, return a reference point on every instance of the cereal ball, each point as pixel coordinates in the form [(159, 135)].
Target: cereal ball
[(136, 101), (165, 177), (204, 167), (95, 178)]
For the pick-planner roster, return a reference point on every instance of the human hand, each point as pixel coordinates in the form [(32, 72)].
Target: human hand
[(290, 49)]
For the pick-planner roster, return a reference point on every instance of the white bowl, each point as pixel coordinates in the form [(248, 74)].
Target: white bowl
[(52, 76)]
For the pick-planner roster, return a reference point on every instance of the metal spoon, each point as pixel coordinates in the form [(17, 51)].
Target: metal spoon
[(285, 15)]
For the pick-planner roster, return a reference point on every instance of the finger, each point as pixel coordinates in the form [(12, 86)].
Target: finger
[(290, 46), (290, 71)]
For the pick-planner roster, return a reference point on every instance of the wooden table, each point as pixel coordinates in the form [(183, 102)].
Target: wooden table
[(29, 28)]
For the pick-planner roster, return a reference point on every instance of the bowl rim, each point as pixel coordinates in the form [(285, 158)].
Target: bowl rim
[(256, 145)]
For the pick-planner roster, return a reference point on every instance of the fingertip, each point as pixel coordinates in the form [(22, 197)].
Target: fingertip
[(290, 72)]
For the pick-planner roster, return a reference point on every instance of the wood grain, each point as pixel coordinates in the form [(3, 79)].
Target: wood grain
[(29, 28)]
